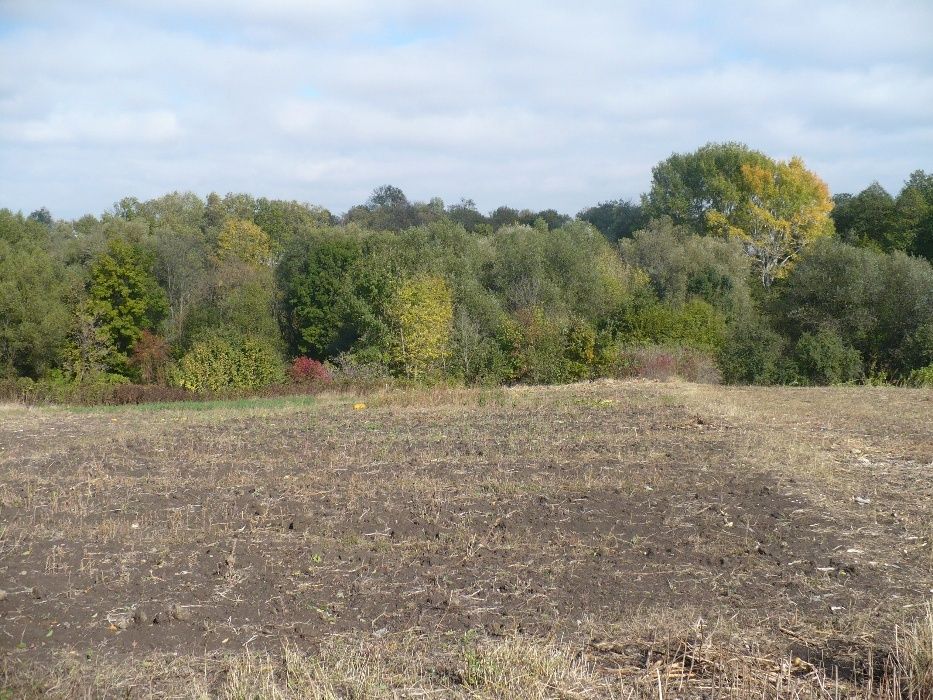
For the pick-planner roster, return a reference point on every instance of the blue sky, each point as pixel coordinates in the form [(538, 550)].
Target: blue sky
[(528, 103)]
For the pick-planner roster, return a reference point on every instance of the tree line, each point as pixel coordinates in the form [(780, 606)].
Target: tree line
[(733, 265)]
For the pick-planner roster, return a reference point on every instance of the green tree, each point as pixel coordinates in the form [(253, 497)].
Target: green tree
[(868, 219), (616, 219), (124, 297), (35, 310), (825, 358), (687, 186), (914, 207), (880, 304), (682, 266), (317, 293)]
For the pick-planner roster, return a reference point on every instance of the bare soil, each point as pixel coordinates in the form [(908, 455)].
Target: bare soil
[(601, 516)]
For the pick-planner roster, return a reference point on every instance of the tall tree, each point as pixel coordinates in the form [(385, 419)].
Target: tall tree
[(124, 296), (687, 186), (421, 317), (785, 210)]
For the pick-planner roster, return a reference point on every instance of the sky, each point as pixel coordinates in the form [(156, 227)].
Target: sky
[(528, 103)]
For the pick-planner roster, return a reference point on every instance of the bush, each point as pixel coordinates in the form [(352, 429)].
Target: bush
[(824, 358), (217, 363), (359, 372), (922, 377), (305, 370), (149, 358), (695, 324), (663, 363), (538, 350), (753, 353)]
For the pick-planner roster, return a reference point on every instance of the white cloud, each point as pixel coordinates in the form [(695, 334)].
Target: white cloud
[(88, 128), (533, 103)]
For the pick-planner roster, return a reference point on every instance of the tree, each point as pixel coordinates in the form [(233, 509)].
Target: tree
[(317, 294), (124, 297), (182, 267), (915, 213), (617, 219), (786, 209), (89, 353), (868, 219), (687, 186), (387, 209), (682, 265), (880, 304), (244, 241), (420, 315), (42, 216), (35, 312), (466, 214)]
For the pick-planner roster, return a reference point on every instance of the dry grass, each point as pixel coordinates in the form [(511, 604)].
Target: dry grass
[(614, 539)]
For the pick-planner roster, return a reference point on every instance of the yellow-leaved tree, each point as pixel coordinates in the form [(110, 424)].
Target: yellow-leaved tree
[(420, 315), (243, 240), (784, 209)]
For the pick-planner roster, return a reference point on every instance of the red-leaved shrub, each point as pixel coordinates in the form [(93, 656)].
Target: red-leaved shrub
[(304, 370)]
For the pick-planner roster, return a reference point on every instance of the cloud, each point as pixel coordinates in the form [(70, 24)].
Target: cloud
[(532, 103), (88, 128)]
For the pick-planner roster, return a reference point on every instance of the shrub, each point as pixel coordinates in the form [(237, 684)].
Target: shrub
[(824, 358), (149, 358), (662, 363), (357, 371), (753, 353), (695, 324), (922, 377), (218, 363), (305, 370)]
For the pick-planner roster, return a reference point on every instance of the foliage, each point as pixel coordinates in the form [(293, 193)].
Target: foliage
[(824, 358), (880, 304), (616, 219), (434, 292), (874, 219), (420, 315), (314, 279), (245, 242), (754, 353), (922, 376), (538, 349), (305, 370), (150, 358), (216, 363), (683, 266), (645, 321), (235, 300), (785, 210), (89, 352), (123, 297), (35, 298), (688, 186)]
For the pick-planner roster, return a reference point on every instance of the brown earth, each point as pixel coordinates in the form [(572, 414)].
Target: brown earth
[(796, 522)]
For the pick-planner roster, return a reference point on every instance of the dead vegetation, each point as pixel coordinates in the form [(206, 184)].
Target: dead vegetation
[(616, 539)]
